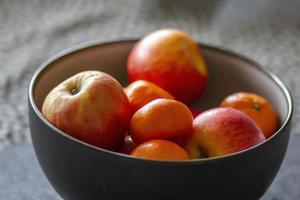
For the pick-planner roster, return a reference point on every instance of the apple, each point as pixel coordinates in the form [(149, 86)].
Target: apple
[(172, 60), (90, 106), (222, 131)]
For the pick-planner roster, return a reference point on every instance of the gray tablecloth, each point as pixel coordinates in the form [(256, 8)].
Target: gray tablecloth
[(267, 31)]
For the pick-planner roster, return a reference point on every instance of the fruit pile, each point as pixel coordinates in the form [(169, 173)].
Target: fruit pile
[(151, 117)]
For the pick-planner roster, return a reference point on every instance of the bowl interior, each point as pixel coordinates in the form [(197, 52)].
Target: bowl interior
[(228, 73)]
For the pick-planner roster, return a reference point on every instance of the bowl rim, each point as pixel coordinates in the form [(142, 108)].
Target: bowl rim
[(94, 43)]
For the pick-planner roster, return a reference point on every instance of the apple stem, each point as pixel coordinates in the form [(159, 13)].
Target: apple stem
[(202, 152), (74, 91)]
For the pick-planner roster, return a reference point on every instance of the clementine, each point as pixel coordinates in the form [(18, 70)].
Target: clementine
[(160, 150), (256, 107), (161, 119), (141, 92)]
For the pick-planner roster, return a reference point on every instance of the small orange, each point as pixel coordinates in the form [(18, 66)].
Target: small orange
[(161, 119), (141, 92), (160, 150), (256, 107)]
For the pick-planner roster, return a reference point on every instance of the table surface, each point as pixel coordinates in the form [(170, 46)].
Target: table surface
[(31, 31)]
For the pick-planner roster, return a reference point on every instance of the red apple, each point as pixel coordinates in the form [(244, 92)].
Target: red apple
[(90, 106), (222, 131), (172, 60)]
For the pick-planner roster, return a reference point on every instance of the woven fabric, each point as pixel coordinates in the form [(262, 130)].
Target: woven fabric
[(267, 31), (33, 30)]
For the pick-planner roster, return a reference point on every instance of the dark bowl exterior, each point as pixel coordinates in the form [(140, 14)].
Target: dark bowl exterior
[(79, 171)]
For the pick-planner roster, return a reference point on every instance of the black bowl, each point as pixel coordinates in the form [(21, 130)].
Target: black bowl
[(80, 171)]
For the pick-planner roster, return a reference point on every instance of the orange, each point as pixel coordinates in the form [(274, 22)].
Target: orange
[(141, 92), (160, 150), (161, 119), (256, 107)]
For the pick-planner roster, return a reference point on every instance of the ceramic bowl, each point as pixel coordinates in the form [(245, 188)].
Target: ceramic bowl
[(78, 170)]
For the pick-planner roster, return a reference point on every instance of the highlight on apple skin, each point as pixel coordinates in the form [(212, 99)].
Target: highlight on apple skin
[(221, 131), (171, 59), (90, 106)]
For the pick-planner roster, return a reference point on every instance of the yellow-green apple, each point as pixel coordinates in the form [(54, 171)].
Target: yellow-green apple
[(171, 59), (90, 106), (222, 131)]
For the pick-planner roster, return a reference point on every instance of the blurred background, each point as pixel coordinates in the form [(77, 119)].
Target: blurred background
[(268, 31)]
